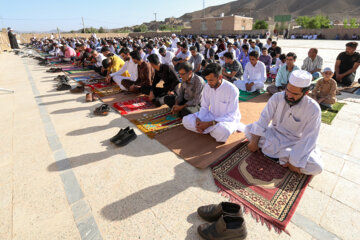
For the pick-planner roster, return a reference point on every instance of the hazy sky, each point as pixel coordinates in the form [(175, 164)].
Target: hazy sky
[(41, 15)]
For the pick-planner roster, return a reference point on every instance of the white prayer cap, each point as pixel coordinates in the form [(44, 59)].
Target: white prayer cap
[(328, 69), (300, 78), (173, 35)]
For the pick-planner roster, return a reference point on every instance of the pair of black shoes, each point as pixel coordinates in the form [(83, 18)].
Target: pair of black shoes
[(227, 222), (54, 70), (63, 83), (123, 137)]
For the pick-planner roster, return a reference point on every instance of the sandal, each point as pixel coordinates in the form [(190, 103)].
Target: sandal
[(103, 110)]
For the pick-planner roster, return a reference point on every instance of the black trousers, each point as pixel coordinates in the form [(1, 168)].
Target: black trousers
[(347, 80), (170, 101)]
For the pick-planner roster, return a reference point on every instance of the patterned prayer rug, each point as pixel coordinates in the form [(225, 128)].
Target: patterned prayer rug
[(97, 86), (157, 123), (268, 191), (80, 71), (133, 105), (245, 96), (327, 116), (351, 89), (106, 91)]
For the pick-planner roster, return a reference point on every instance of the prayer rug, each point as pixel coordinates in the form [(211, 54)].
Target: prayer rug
[(159, 122), (106, 91), (201, 150), (133, 105), (97, 86), (351, 89), (263, 187), (245, 96), (80, 71), (327, 116)]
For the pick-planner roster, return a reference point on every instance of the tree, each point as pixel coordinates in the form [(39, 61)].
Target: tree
[(260, 24), (313, 22), (141, 28), (353, 23), (346, 23), (101, 30)]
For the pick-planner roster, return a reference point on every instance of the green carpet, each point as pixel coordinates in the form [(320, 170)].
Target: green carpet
[(328, 115), (245, 96)]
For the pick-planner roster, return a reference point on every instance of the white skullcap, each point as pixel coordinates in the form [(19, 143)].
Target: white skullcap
[(300, 78), (328, 69), (173, 35)]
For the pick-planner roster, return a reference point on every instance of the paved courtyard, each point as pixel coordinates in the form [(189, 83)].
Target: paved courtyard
[(142, 191)]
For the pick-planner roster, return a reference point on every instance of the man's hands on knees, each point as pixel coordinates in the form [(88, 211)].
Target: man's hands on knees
[(202, 126)]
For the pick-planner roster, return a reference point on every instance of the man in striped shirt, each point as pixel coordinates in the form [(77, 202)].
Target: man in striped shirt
[(313, 63)]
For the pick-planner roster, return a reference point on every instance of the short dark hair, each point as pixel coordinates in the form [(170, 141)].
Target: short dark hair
[(193, 48), (244, 46), (135, 55), (124, 50), (352, 44), (282, 56), (229, 55), (105, 63), (162, 50), (254, 54), (208, 42), (270, 39), (150, 46), (214, 68), (105, 49), (264, 48), (184, 45), (274, 42), (291, 54), (186, 66), (154, 59)]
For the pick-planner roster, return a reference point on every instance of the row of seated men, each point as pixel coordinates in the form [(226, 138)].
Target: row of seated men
[(212, 107)]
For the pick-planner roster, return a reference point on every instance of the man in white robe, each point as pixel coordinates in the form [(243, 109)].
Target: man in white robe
[(254, 74), (295, 124), (129, 66), (219, 114)]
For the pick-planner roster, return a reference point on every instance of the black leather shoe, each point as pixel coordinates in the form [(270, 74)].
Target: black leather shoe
[(126, 138), (119, 134), (63, 86), (225, 228), (212, 212)]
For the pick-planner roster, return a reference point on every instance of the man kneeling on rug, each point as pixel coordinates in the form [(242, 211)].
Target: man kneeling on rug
[(188, 97), (295, 124), (219, 114)]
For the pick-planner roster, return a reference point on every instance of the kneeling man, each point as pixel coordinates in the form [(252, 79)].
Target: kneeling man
[(219, 114), (295, 124)]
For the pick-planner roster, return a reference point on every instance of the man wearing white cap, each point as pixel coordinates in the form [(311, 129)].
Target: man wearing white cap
[(295, 124), (174, 41)]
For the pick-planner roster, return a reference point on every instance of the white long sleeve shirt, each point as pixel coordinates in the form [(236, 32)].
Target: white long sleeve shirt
[(221, 104), (255, 74), (131, 67), (168, 58), (293, 131)]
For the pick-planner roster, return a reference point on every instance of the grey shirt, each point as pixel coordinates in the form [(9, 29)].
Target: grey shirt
[(196, 60), (192, 91), (234, 67)]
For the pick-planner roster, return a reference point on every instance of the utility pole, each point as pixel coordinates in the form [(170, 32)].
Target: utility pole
[(155, 16), (203, 8), (83, 24)]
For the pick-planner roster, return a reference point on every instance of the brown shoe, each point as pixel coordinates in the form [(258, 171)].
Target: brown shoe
[(212, 212), (89, 97), (78, 89), (225, 228)]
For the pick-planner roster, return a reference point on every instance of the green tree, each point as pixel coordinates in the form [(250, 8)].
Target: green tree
[(346, 23), (101, 30), (260, 24), (141, 28), (353, 23), (313, 22)]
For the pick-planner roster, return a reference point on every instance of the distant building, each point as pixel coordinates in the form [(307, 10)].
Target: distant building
[(221, 24)]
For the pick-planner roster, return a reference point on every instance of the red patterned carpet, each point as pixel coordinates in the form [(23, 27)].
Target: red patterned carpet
[(268, 191)]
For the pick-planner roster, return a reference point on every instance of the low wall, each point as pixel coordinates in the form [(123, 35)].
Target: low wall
[(25, 37), (328, 33), (4, 40), (216, 33)]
